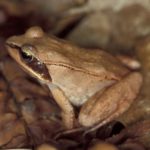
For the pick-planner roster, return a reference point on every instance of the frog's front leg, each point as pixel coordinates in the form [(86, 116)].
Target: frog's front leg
[(68, 114), (104, 107)]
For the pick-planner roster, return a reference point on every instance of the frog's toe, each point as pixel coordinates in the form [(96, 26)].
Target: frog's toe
[(86, 120)]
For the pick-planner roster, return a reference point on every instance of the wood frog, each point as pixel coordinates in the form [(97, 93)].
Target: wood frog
[(92, 80)]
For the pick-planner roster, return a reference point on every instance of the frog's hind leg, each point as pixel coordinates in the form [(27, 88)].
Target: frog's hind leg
[(97, 126), (103, 108)]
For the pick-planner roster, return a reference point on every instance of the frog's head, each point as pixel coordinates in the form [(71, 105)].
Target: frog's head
[(24, 50)]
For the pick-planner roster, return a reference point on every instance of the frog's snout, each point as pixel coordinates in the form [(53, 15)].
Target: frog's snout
[(10, 42)]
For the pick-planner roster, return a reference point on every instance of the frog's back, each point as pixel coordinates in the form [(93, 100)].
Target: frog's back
[(80, 73), (98, 62)]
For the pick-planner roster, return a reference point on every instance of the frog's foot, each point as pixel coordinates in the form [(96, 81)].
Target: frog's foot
[(103, 108), (69, 132)]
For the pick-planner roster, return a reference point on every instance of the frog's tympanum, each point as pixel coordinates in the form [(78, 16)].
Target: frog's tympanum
[(92, 80)]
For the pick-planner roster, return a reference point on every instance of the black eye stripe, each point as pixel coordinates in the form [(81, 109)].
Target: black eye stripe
[(32, 62)]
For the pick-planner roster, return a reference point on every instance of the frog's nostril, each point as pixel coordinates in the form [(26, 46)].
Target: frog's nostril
[(12, 45), (34, 32), (12, 42)]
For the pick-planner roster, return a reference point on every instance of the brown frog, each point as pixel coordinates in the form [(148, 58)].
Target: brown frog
[(92, 80)]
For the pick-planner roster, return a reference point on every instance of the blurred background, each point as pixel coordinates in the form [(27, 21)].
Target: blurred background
[(111, 24), (120, 27)]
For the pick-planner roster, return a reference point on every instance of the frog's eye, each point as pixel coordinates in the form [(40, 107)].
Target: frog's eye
[(25, 56), (26, 53)]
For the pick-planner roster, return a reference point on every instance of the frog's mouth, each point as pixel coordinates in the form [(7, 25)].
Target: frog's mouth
[(30, 63)]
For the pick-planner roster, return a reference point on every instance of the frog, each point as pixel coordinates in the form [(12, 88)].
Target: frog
[(91, 80)]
